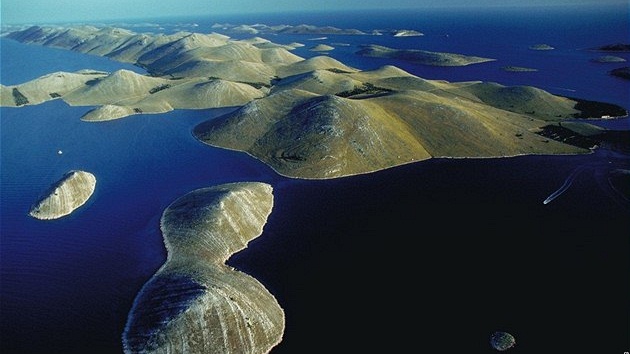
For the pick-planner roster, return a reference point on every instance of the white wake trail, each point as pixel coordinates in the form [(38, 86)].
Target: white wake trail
[(565, 186)]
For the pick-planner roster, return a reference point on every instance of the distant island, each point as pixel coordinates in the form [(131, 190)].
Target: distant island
[(65, 196), (284, 29), (541, 47), (305, 29), (195, 303), (322, 48), (623, 72), (421, 56), (307, 118), (518, 69), (609, 59), (406, 33), (615, 47)]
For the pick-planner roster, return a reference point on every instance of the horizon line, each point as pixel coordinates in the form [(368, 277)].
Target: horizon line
[(459, 7)]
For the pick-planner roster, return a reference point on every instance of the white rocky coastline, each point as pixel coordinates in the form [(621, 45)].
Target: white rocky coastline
[(66, 195)]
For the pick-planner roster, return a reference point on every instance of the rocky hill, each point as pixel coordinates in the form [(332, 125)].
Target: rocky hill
[(307, 118)]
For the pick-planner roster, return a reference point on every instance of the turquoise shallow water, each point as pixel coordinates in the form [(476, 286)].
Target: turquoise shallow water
[(478, 249)]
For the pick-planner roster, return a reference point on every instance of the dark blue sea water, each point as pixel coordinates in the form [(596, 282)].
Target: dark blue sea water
[(437, 254)]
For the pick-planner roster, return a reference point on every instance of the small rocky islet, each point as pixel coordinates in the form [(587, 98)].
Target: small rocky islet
[(65, 196)]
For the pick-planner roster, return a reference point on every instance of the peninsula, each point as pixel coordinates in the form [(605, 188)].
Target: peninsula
[(195, 303), (64, 196)]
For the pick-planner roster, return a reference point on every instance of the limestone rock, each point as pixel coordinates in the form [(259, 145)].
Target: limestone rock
[(195, 303), (69, 193)]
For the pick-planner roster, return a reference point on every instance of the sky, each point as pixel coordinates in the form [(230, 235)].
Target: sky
[(52, 11)]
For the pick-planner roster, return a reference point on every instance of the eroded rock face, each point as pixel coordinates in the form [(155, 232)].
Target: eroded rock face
[(195, 303), (66, 195)]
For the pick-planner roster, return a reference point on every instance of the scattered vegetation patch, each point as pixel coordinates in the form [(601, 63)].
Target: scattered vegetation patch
[(159, 88), (567, 136), (54, 95), (617, 140), (338, 71), (137, 110), (365, 89), (19, 98), (256, 85), (287, 157), (93, 81), (593, 109)]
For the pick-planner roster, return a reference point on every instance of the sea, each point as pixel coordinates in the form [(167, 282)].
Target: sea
[(436, 255)]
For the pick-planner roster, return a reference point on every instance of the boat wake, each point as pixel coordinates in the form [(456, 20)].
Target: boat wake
[(611, 175)]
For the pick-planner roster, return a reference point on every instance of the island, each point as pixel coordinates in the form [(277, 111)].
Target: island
[(195, 303), (322, 48), (502, 341), (418, 56), (609, 59), (317, 129), (614, 47), (518, 69), (406, 33), (312, 118), (305, 29), (622, 73), (541, 47), (65, 196), (310, 29)]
